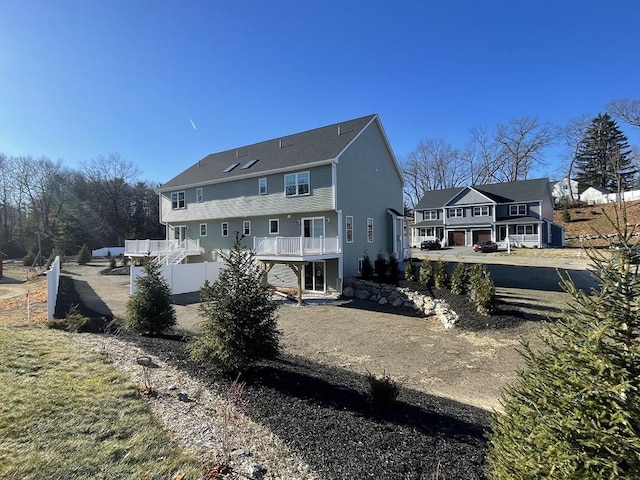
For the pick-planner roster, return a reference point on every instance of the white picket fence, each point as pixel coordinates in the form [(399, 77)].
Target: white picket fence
[(53, 281), (181, 278)]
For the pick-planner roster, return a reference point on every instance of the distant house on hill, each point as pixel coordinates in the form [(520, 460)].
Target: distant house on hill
[(564, 189), (595, 195)]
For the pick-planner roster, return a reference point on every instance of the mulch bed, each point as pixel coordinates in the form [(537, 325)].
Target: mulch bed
[(324, 413)]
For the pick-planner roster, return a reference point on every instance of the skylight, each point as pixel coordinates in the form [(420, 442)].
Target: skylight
[(249, 164), (230, 167)]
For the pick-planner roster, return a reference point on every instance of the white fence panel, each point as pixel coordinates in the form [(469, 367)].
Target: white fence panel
[(183, 277), (53, 281)]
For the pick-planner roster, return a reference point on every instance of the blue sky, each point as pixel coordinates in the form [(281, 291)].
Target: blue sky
[(79, 79)]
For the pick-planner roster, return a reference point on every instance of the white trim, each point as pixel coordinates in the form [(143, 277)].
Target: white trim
[(370, 222), (298, 184), (266, 186), (246, 227), (206, 229), (199, 195), (277, 220), (224, 226), (346, 229)]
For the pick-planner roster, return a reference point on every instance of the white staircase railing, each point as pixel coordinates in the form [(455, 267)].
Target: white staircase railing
[(177, 252)]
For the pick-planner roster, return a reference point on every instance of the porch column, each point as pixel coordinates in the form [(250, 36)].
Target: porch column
[(267, 268), (297, 269)]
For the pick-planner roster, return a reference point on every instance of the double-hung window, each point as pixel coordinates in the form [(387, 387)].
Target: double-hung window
[(246, 227), (199, 196), (296, 184), (203, 229), (431, 215), (349, 229), (224, 229), (481, 211), (370, 230), (515, 210), (177, 200), (456, 212), (274, 226), (262, 186)]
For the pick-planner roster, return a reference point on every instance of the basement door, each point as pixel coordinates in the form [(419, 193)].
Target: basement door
[(314, 277)]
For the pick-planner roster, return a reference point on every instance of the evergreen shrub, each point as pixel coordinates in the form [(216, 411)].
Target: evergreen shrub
[(440, 275), (425, 276), (459, 279), (84, 256)]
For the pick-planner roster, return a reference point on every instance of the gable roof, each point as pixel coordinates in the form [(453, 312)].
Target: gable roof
[(304, 149), (506, 192)]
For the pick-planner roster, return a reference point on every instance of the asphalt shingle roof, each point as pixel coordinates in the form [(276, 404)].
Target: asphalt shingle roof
[(507, 192), (286, 152)]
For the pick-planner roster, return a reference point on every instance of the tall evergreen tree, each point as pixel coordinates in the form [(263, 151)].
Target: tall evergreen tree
[(575, 409), (603, 158), (240, 323)]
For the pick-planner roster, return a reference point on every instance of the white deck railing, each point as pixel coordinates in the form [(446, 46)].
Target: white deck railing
[(134, 248), (295, 246)]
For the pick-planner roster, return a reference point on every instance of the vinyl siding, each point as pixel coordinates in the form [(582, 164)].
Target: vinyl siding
[(367, 184), (240, 198)]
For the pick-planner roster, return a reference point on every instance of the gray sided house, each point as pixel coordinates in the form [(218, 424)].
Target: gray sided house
[(520, 212), (309, 205)]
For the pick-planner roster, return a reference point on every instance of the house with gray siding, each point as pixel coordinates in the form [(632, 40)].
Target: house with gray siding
[(310, 205), (520, 212)]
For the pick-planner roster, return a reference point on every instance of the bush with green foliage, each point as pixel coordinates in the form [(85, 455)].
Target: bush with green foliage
[(240, 323), (393, 269), (481, 291), (425, 276), (112, 263), (149, 309), (367, 268), (76, 322), (575, 409), (383, 391), (459, 279), (84, 256), (380, 266), (440, 275), (28, 259), (409, 271), (566, 215)]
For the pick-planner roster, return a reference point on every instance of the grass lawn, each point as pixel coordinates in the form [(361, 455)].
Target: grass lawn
[(69, 414)]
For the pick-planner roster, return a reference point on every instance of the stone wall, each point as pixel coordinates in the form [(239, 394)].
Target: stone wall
[(401, 298)]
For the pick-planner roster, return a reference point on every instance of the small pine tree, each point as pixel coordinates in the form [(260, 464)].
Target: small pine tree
[(409, 271), (380, 266), (426, 272), (149, 309), (440, 275), (367, 268), (84, 256), (393, 270), (575, 409), (459, 279), (566, 215), (239, 325)]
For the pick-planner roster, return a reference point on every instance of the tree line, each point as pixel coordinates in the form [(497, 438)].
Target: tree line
[(47, 206), (596, 153)]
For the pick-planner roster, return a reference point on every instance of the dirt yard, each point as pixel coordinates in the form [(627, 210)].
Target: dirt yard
[(23, 296)]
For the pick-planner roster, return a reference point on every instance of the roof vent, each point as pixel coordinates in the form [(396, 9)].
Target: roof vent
[(249, 164), (230, 167)]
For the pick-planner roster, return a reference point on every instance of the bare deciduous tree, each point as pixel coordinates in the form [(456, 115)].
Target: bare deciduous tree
[(572, 136), (626, 110)]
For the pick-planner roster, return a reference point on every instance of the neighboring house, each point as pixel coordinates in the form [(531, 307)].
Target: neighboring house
[(564, 190), (593, 195), (310, 205), (520, 211)]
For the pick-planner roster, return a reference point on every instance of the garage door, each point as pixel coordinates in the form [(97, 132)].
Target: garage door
[(481, 236), (456, 239)]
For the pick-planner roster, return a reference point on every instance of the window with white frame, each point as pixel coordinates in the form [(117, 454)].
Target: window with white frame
[(527, 229), (203, 229), (296, 184), (177, 200), (482, 211), (274, 226), (348, 230), (515, 210), (224, 229), (199, 196), (246, 227), (370, 230), (262, 186), (456, 212), (431, 215)]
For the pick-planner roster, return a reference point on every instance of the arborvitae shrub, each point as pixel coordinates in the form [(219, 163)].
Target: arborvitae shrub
[(566, 215), (481, 290), (149, 309), (574, 411), (459, 279), (380, 266), (425, 276), (84, 256), (367, 268), (409, 271), (476, 273), (440, 275), (393, 269), (240, 323)]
